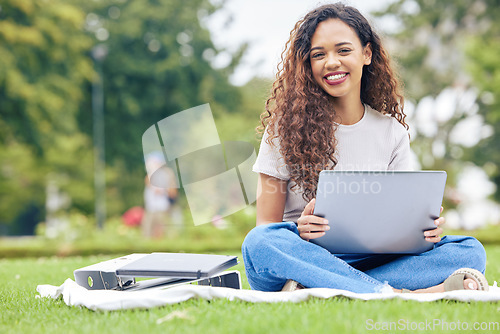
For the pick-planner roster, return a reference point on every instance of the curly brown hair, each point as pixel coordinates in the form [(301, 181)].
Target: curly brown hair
[(300, 113)]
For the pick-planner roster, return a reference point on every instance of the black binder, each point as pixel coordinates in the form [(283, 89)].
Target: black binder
[(167, 269)]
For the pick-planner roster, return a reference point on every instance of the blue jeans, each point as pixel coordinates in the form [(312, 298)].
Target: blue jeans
[(274, 253)]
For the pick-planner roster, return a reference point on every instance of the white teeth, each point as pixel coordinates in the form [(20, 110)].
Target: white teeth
[(336, 76)]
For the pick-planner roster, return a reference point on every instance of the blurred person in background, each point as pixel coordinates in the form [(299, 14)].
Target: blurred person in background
[(159, 201)]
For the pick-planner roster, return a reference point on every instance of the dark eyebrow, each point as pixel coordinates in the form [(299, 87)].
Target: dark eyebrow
[(337, 45)]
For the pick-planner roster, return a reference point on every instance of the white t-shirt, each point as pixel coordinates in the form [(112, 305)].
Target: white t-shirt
[(376, 142)]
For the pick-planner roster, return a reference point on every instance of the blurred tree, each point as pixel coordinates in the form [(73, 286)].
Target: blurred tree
[(159, 62), (482, 52), (44, 65), (241, 125), (430, 42)]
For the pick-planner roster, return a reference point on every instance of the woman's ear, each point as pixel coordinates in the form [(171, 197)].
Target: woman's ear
[(367, 53)]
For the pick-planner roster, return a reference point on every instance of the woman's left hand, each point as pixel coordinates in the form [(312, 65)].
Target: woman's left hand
[(435, 235)]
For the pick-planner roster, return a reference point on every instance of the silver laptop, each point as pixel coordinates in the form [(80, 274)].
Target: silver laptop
[(378, 211)]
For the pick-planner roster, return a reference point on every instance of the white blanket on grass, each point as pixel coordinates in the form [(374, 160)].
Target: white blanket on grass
[(109, 300)]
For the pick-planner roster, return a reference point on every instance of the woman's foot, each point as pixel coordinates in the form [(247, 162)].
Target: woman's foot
[(469, 284), (461, 279), (292, 285)]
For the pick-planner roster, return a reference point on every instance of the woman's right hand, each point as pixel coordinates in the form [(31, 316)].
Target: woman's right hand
[(309, 225)]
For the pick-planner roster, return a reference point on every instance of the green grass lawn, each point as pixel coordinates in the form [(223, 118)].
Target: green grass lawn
[(21, 312)]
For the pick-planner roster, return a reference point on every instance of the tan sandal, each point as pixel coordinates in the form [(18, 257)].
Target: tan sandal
[(456, 280), (292, 285)]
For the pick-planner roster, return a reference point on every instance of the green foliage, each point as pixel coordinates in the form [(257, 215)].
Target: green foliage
[(482, 52), (158, 62), (156, 65), (20, 179), (240, 124), (44, 65), (429, 41), (79, 236), (455, 43)]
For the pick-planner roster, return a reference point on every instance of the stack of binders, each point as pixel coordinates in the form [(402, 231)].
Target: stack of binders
[(159, 271)]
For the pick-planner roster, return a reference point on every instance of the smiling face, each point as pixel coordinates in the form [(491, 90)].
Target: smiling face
[(337, 59)]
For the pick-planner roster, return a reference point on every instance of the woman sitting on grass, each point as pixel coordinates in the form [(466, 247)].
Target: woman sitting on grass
[(336, 105)]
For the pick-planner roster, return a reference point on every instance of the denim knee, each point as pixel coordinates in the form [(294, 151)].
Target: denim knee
[(477, 254), (253, 238), (472, 254), (264, 234), (253, 243), (256, 249)]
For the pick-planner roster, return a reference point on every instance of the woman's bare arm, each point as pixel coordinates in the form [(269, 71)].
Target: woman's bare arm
[(271, 198)]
